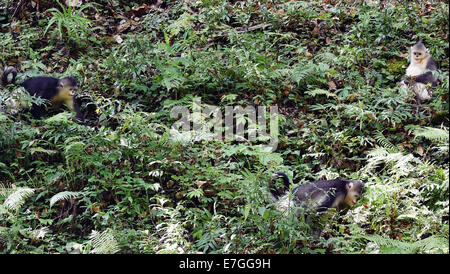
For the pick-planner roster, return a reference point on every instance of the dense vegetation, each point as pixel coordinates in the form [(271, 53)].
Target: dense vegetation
[(122, 184)]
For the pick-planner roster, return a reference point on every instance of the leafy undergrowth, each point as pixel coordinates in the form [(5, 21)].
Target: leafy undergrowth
[(123, 184)]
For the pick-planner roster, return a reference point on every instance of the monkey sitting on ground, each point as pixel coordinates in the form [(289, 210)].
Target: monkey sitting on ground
[(57, 91), (419, 73), (319, 195)]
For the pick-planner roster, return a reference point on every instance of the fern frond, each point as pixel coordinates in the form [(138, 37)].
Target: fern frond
[(65, 195), (33, 150), (270, 159), (75, 148), (433, 134), (171, 233), (17, 198), (60, 118), (103, 242), (433, 244), (384, 142), (39, 233), (299, 75), (197, 193), (4, 190), (172, 239), (440, 135), (315, 92), (397, 163)]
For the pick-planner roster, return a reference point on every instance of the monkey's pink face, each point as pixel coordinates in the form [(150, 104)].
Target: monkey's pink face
[(353, 194), (418, 56), (66, 92), (352, 198), (73, 90)]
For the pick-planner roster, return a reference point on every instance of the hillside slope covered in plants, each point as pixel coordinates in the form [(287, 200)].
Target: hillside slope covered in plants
[(120, 183)]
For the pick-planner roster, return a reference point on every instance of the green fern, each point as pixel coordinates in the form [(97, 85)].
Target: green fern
[(4, 190), (171, 232), (433, 134), (75, 148), (384, 142), (69, 22), (184, 22), (396, 163), (270, 159), (197, 193), (103, 242), (315, 92), (65, 195), (40, 233), (33, 150), (60, 118), (15, 197), (439, 135), (433, 244)]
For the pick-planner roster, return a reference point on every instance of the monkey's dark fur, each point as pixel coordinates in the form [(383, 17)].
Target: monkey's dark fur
[(50, 88), (426, 77), (47, 88), (327, 193), (85, 109), (420, 73), (44, 86)]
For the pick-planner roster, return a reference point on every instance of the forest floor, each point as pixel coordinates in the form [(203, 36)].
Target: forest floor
[(124, 181)]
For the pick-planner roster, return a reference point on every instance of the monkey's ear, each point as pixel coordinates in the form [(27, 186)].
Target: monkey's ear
[(350, 185)]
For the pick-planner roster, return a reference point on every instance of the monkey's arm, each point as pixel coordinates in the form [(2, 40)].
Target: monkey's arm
[(325, 202), (426, 78), (77, 107), (37, 111)]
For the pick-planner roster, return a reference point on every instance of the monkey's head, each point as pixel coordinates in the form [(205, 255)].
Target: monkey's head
[(419, 53), (67, 86), (354, 191)]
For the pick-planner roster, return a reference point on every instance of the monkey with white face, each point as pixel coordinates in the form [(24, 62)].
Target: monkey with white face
[(419, 73), (58, 91), (316, 197), (319, 195)]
